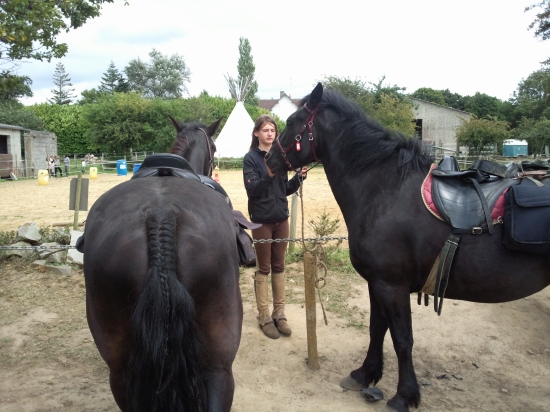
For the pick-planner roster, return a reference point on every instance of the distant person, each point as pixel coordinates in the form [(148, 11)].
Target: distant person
[(51, 166), (57, 164), (83, 165), (268, 205), (67, 163)]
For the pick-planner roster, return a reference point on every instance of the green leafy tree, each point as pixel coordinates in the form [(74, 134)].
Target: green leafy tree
[(541, 24), (68, 124), (13, 87), (430, 95), (478, 134), (483, 105), (246, 70), (90, 96), (382, 102), (113, 81), (454, 100), (532, 96), (118, 122), (62, 94), (536, 132), (164, 77), (15, 114), (29, 28)]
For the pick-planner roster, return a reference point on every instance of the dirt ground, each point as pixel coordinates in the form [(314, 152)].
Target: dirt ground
[(474, 357)]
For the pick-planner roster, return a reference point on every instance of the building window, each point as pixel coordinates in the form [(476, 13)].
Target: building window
[(3, 144), (418, 128)]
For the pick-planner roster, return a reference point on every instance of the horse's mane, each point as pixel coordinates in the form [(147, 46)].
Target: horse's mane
[(181, 144), (366, 142)]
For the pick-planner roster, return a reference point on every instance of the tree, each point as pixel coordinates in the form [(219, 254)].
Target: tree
[(113, 81), (536, 132), (542, 20), (90, 96), (61, 94), (13, 87), (483, 105), (382, 102), (478, 134), (164, 77), (246, 70), (15, 114), (29, 28), (430, 95), (532, 97)]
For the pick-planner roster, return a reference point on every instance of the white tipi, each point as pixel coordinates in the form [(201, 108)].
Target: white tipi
[(235, 138)]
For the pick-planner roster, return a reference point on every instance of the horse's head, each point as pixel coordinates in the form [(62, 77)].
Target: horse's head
[(296, 146), (194, 142)]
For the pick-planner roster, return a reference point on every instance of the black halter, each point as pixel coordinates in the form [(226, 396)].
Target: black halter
[(210, 160), (298, 138)]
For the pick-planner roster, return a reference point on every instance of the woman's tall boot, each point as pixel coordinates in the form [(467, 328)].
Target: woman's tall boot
[(262, 301), (278, 315)]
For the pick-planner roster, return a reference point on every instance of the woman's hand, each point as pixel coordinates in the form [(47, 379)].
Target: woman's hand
[(271, 174), (303, 172)]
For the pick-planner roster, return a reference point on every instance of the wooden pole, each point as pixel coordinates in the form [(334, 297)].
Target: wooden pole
[(293, 213), (77, 200), (311, 316)]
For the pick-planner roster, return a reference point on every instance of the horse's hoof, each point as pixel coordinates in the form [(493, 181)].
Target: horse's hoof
[(398, 404), (351, 384)]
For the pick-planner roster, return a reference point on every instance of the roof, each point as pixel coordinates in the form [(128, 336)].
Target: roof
[(268, 104), (7, 126), (439, 105)]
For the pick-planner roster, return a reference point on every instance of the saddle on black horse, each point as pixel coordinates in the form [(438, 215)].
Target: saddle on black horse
[(166, 164), (474, 200)]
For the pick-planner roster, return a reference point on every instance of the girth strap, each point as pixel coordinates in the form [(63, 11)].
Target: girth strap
[(445, 262)]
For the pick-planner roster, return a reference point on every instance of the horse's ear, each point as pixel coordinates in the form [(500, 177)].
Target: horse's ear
[(315, 96), (177, 125), (210, 130)]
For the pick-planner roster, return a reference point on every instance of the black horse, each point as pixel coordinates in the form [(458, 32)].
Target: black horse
[(376, 177), (162, 286)]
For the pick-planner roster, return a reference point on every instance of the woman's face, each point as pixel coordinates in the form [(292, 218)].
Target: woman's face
[(266, 134)]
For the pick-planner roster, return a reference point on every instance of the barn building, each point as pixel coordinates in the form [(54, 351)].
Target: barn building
[(23, 152), (436, 125)]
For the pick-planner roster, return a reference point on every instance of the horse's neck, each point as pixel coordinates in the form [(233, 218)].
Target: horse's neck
[(359, 193)]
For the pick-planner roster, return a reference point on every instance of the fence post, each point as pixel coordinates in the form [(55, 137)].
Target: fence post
[(293, 213), (77, 201), (311, 316)]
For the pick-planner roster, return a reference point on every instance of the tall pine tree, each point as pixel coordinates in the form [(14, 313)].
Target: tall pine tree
[(62, 94), (113, 81), (246, 70)]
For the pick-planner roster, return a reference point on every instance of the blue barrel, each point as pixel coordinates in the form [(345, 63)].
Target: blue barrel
[(136, 167), (121, 169)]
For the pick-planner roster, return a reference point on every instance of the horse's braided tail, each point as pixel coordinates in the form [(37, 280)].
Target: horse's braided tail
[(165, 361)]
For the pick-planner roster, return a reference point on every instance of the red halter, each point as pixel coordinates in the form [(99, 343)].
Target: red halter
[(298, 138)]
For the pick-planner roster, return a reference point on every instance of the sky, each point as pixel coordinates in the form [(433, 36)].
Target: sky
[(467, 47)]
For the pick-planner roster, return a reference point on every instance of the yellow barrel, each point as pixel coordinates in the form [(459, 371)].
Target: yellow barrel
[(93, 172), (43, 177)]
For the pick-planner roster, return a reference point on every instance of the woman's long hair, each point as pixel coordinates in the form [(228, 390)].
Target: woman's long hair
[(258, 124)]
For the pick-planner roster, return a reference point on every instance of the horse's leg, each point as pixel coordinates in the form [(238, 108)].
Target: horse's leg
[(222, 332), (373, 365), (396, 306)]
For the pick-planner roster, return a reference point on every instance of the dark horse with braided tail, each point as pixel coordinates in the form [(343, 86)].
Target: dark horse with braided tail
[(376, 178), (162, 286)]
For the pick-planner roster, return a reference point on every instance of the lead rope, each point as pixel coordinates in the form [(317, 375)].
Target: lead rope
[(315, 252)]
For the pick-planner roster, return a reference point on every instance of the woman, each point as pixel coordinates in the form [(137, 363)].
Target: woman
[(268, 205)]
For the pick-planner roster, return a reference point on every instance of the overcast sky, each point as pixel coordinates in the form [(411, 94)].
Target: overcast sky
[(467, 46)]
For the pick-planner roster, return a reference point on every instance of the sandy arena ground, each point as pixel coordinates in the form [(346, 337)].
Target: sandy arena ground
[(475, 357)]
